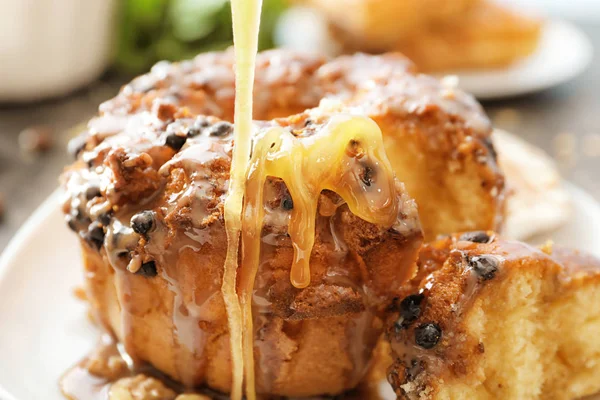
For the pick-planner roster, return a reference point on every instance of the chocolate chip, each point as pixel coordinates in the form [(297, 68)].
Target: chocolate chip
[(71, 223), (175, 141), (105, 218), (193, 131), (201, 122), (198, 127), (148, 269), (220, 129), (428, 335), (92, 191), (485, 266), (367, 176), (287, 203), (410, 310), (77, 220), (82, 217), (475, 237), (142, 222), (95, 235), (481, 347)]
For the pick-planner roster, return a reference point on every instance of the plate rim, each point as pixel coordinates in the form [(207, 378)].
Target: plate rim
[(42, 212)]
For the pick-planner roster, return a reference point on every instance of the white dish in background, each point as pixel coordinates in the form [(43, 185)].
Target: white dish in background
[(52, 47), (564, 52), (44, 330)]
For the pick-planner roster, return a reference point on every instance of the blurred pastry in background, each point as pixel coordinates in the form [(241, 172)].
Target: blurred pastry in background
[(536, 202), (378, 25), (437, 35), (485, 36)]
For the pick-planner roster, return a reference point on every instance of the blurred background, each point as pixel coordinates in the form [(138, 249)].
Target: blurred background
[(531, 62)]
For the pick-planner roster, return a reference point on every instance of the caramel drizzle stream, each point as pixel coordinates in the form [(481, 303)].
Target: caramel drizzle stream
[(246, 18), (335, 158), (346, 156)]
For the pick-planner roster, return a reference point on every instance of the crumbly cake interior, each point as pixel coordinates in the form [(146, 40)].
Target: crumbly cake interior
[(488, 318)]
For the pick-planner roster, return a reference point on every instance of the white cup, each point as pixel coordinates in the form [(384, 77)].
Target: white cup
[(51, 47)]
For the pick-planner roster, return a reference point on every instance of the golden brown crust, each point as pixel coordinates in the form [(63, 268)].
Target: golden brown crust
[(437, 137), (477, 305)]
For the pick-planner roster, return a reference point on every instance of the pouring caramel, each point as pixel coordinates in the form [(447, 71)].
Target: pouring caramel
[(346, 156)]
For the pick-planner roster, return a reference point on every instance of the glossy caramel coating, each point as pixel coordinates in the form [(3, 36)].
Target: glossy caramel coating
[(175, 318), (517, 326), (436, 136)]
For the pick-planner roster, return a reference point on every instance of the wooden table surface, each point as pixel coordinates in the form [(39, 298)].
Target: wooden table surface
[(564, 121)]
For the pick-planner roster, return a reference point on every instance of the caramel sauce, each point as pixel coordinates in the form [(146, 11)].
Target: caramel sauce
[(345, 156), (246, 21), (85, 382), (337, 157), (80, 383)]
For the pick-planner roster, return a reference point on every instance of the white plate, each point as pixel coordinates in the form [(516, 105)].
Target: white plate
[(564, 52), (44, 329)]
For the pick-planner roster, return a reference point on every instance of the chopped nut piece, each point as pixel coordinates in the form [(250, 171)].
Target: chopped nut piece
[(106, 366), (140, 387)]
